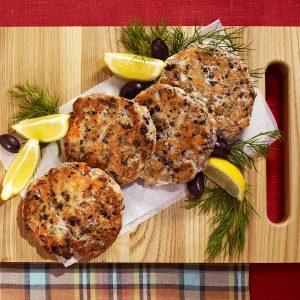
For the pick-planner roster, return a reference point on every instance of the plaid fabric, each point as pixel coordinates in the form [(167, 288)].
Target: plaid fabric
[(123, 281)]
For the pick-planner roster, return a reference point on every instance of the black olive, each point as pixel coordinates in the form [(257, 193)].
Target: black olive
[(10, 143), (148, 83), (222, 149), (196, 186), (132, 88), (159, 49)]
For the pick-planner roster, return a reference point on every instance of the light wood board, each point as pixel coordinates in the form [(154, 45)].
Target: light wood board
[(68, 61)]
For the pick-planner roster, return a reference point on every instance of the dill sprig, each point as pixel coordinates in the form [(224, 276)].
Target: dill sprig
[(34, 100), (243, 153), (227, 39), (137, 37), (256, 74), (229, 223), (231, 217)]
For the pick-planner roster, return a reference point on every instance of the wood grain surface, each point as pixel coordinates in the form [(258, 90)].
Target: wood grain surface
[(68, 61)]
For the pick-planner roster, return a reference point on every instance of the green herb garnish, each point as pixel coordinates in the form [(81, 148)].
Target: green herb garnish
[(256, 74), (137, 38), (229, 223), (227, 39), (255, 147), (231, 216), (34, 100)]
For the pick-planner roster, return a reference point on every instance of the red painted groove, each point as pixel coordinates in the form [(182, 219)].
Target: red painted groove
[(275, 162)]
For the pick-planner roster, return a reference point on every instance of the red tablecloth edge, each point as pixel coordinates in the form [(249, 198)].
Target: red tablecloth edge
[(107, 12), (274, 281)]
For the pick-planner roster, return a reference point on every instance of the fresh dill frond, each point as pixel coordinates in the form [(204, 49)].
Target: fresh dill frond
[(137, 38), (229, 223), (229, 228), (227, 39), (178, 40), (231, 217), (256, 74), (243, 152), (192, 201), (34, 101)]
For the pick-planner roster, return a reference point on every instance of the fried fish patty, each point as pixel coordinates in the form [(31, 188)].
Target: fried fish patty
[(222, 81), (186, 134), (74, 208), (111, 133)]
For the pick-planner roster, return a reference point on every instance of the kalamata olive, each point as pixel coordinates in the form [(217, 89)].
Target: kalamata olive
[(131, 89), (196, 186), (222, 149), (10, 143), (148, 83), (159, 49)]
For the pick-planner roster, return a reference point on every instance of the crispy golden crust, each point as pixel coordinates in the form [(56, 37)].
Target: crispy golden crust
[(110, 133), (222, 81), (185, 134), (74, 208)]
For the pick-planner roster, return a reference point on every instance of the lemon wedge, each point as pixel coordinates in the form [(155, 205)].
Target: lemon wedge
[(226, 175), (21, 169), (45, 129), (134, 67)]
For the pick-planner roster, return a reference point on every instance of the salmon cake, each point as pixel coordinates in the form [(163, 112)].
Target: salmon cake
[(74, 209), (186, 134), (222, 81), (112, 133)]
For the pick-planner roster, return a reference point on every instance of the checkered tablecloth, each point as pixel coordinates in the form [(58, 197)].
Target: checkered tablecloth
[(123, 281)]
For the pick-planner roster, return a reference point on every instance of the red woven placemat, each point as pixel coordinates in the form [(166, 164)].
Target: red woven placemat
[(107, 12)]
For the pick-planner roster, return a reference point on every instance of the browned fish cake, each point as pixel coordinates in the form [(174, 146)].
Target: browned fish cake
[(111, 133), (222, 81), (74, 208), (186, 134)]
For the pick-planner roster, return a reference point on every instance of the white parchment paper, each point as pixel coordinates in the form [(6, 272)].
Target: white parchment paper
[(142, 202)]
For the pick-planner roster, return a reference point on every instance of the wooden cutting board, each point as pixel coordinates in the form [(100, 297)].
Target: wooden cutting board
[(68, 61)]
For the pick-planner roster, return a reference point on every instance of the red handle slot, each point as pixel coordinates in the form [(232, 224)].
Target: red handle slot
[(276, 99)]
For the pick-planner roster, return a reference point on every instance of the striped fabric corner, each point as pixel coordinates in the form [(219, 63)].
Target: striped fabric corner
[(123, 281)]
